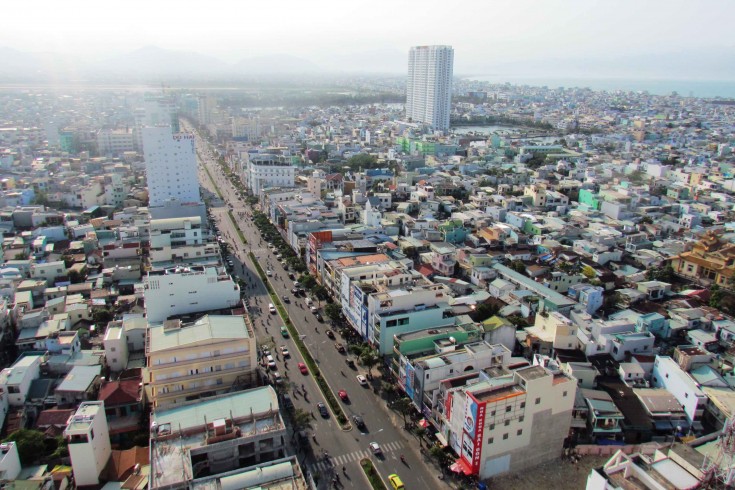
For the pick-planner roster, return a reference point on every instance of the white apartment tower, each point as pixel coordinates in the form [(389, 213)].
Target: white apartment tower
[(170, 165), (429, 86), (89, 442)]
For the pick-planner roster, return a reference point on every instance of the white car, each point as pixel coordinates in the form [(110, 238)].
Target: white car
[(269, 273), (271, 308), (362, 380), (271, 362), (375, 448), (314, 309), (296, 284), (284, 351)]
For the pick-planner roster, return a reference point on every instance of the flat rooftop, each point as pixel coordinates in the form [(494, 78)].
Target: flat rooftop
[(82, 418), (180, 429), (209, 327)]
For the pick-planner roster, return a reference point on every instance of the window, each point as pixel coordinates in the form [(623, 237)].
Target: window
[(505, 436), (492, 427), (523, 404), (508, 408), (112, 349), (507, 422), (521, 418), (490, 440), (492, 414), (564, 394), (538, 400), (520, 431)]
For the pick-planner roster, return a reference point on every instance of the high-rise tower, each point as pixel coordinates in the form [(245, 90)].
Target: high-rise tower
[(429, 86)]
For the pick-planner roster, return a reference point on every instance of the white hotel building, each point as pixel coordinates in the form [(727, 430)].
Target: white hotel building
[(268, 170), (429, 85), (171, 166)]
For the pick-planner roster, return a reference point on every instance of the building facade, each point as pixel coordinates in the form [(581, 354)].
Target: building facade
[(210, 356), (268, 170), (429, 85), (89, 442), (171, 166)]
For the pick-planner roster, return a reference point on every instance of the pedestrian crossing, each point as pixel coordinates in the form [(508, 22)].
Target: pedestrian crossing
[(337, 461)]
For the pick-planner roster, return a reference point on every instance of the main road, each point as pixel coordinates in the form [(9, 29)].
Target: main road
[(345, 448)]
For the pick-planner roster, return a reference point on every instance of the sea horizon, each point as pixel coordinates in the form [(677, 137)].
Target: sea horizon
[(656, 86)]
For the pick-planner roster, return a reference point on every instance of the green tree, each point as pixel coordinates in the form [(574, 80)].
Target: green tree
[(518, 266), (403, 406), (369, 359), (484, 311), (420, 433), (589, 272), (333, 311), (301, 419), (30, 444), (307, 281), (362, 161)]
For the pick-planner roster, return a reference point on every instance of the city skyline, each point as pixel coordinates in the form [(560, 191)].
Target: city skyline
[(596, 39)]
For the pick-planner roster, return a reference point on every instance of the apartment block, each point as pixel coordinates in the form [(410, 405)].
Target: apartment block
[(184, 290), (511, 423), (215, 436), (89, 442), (190, 361), (268, 170), (667, 374)]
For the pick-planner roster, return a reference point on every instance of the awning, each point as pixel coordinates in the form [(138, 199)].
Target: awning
[(461, 466), (424, 423), (442, 440)]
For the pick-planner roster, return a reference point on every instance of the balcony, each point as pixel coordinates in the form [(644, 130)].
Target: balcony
[(200, 374), (208, 355)]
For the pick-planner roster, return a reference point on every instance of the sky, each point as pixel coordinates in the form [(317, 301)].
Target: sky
[(486, 34)]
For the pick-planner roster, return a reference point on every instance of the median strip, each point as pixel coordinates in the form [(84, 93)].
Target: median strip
[(211, 179), (372, 475), (308, 359), (237, 227)]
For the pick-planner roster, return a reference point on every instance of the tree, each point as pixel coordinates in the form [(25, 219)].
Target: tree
[(589, 272), (307, 281), (663, 274), (320, 292), (333, 311), (362, 161), (420, 433), (30, 444), (369, 359), (518, 266), (301, 419), (403, 406), (484, 311)]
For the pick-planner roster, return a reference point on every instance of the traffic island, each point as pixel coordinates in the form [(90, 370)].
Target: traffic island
[(372, 475), (308, 359), (237, 227)]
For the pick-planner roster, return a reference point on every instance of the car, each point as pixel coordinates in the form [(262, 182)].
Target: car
[(359, 422), (271, 308), (302, 368), (284, 351), (277, 378), (296, 284), (350, 363), (269, 273), (291, 276), (395, 482), (322, 410), (330, 334), (319, 317), (285, 299), (362, 380), (343, 395), (266, 351), (279, 256), (284, 331), (309, 302), (314, 309), (287, 402), (340, 348), (271, 362), (375, 448), (295, 291)]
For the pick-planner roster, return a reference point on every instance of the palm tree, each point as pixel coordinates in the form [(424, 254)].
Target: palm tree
[(369, 359)]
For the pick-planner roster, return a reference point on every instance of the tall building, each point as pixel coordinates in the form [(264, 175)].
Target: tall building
[(268, 170), (429, 86), (89, 442), (171, 166)]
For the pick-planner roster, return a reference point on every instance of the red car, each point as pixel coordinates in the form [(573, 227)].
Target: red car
[(343, 395), (302, 368)]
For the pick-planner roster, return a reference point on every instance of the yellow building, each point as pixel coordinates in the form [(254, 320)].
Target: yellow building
[(204, 358), (711, 261)]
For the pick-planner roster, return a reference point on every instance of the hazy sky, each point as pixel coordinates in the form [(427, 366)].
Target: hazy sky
[(483, 33)]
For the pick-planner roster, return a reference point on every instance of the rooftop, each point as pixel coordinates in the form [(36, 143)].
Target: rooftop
[(84, 416), (166, 336)]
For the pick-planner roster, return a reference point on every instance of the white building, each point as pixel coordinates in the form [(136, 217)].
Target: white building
[(267, 170), (115, 141), (16, 380), (511, 422), (183, 290), (180, 240), (171, 166), (9, 461), (667, 374), (429, 86), (116, 346), (89, 442)]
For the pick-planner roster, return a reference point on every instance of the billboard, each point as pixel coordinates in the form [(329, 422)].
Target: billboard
[(473, 431), (408, 380)]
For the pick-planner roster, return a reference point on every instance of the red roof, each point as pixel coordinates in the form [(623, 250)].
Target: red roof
[(121, 463), (124, 392), (425, 269), (54, 417)]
